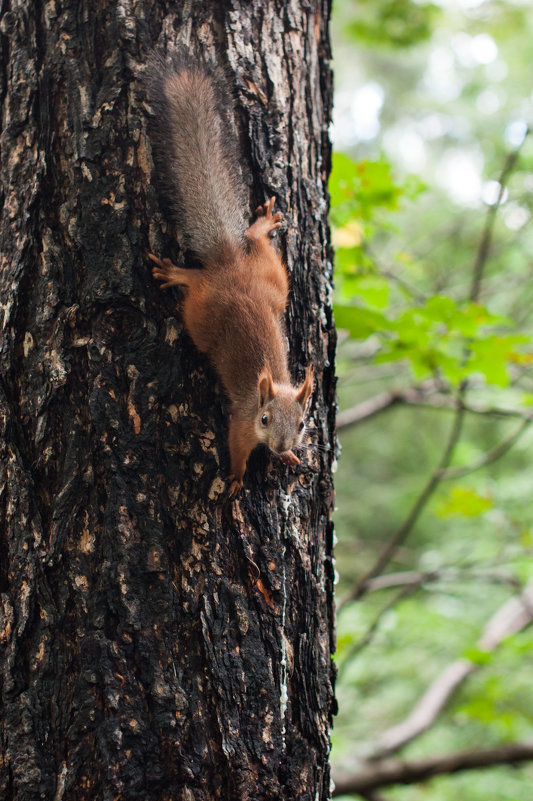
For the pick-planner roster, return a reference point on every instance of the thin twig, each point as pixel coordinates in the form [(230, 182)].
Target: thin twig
[(411, 577), (449, 574), (402, 532), (405, 592), (441, 473), (486, 238), (368, 408), (417, 396), (491, 456), (371, 373)]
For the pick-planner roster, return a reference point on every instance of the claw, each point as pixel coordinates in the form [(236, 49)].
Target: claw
[(161, 275), (167, 272), (155, 259), (289, 458), (234, 487), (265, 220)]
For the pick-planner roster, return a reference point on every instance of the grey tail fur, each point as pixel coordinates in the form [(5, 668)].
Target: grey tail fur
[(198, 168)]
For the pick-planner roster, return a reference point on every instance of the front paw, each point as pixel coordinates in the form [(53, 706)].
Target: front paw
[(265, 210), (164, 271), (235, 487), (289, 458), (266, 221)]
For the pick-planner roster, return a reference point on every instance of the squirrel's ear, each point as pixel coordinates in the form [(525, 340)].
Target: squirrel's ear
[(306, 388), (265, 386)]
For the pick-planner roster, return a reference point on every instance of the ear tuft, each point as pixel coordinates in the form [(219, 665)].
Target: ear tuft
[(265, 386), (306, 388)]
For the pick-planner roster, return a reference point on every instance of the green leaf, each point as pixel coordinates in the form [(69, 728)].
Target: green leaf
[(396, 23), (344, 643), (477, 656), (464, 501), (352, 262), (373, 290), (357, 189), (490, 357), (360, 322)]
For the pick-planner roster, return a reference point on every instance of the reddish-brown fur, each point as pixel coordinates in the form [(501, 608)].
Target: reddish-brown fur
[(232, 311)]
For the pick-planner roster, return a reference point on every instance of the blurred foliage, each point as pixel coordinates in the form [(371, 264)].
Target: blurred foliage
[(411, 196), (401, 23)]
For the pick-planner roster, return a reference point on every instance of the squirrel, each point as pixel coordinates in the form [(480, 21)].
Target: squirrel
[(233, 304)]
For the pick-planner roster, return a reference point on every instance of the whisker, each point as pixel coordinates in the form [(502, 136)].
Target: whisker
[(313, 446)]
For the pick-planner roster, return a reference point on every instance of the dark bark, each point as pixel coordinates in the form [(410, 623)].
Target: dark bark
[(159, 641)]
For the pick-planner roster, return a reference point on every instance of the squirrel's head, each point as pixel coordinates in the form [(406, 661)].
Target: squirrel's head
[(280, 422)]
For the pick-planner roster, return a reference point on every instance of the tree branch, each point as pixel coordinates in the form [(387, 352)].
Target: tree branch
[(411, 577), (441, 473), (402, 532), (416, 396), (406, 590), (513, 616), (372, 795), (419, 578), (486, 238), (368, 409), (393, 771), (491, 456)]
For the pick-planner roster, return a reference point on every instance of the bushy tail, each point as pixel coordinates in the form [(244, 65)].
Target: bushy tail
[(197, 165)]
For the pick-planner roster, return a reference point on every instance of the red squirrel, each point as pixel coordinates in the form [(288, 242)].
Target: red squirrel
[(234, 303)]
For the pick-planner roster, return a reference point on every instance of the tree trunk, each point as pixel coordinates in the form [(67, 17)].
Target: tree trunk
[(159, 640)]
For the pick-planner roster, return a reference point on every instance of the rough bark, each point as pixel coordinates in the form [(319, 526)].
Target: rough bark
[(159, 641)]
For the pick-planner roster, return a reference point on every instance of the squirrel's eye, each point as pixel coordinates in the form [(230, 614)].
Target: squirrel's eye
[(264, 420), (301, 426)]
